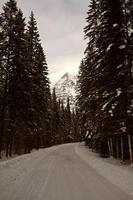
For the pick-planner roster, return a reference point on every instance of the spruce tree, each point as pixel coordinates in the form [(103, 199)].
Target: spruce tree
[(2, 80), (55, 133), (105, 76), (128, 9), (87, 98), (24, 85), (7, 19), (75, 126), (62, 123), (40, 90), (68, 121), (16, 97), (19, 86)]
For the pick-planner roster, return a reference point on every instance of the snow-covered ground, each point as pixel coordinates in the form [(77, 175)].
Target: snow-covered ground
[(113, 170), (66, 172)]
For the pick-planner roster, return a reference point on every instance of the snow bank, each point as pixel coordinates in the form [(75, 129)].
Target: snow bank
[(21, 165), (118, 174)]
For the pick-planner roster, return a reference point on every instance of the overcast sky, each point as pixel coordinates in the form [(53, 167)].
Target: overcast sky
[(60, 23)]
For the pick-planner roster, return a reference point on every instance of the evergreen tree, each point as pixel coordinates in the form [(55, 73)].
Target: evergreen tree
[(18, 92), (128, 9), (75, 126), (55, 120), (88, 97), (111, 43), (2, 80), (40, 90), (25, 99), (63, 131), (7, 19), (64, 122), (16, 96), (104, 82), (68, 122)]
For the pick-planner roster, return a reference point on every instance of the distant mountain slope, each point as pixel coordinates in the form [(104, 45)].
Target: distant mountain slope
[(66, 87)]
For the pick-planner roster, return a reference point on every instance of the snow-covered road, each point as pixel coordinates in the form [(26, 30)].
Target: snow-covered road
[(56, 173)]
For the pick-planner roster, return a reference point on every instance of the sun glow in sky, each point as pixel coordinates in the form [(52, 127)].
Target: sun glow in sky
[(60, 23)]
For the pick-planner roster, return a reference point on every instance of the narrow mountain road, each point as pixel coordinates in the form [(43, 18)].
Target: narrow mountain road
[(57, 173)]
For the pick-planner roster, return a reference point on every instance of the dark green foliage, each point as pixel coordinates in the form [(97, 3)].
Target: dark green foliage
[(40, 89), (105, 77), (8, 27), (55, 120), (29, 117), (64, 122), (25, 101)]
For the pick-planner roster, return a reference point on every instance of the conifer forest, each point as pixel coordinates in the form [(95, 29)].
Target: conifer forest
[(106, 79), (69, 138), (31, 116)]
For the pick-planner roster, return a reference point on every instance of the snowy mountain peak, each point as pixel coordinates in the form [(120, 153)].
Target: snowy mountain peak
[(66, 88), (66, 75), (66, 78)]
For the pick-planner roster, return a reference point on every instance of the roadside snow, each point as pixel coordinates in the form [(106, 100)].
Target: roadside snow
[(58, 173), (117, 173), (109, 47), (115, 25), (21, 166), (122, 47)]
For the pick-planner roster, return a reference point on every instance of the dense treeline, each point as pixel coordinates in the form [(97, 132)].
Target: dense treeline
[(64, 122), (24, 85), (106, 79), (29, 116)]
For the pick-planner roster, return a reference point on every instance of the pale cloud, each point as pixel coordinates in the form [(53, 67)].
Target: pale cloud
[(60, 24), (65, 64)]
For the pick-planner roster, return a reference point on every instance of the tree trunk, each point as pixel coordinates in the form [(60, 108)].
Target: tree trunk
[(4, 104), (7, 149), (117, 148), (122, 150), (11, 145), (2, 122), (109, 147), (130, 149)]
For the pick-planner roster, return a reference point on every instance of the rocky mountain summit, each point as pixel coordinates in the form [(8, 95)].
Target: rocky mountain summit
[(66, 88)]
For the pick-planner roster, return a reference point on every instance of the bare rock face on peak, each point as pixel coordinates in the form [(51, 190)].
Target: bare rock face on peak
[(66, 88)]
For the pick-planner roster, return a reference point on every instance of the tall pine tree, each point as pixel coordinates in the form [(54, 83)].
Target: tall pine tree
[(105, 76), (40, 90)]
